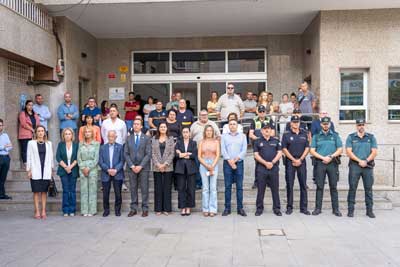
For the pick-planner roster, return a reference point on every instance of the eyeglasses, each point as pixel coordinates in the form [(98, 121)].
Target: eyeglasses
[(262, 111)]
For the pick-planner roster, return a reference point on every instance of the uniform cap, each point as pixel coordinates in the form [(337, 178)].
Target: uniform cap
[(325, 120)]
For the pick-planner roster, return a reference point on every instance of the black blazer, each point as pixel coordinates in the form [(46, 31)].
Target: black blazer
[(188, 164)]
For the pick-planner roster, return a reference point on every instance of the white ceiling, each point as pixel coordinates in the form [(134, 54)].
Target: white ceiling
[(166, 18)]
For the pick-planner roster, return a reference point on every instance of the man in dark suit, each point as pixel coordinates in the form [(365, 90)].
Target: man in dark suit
[(137, 156), (111, 162)]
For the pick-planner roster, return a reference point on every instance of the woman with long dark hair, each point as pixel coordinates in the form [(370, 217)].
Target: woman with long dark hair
[(163, 152), (28, 121), (105, 110)]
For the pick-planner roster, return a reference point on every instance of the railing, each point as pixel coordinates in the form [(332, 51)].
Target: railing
[(30, 11)]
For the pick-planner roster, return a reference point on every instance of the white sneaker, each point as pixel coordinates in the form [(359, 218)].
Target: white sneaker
[(85, 215), (90, 215), (72, 214), (124, 187), (65, 214)]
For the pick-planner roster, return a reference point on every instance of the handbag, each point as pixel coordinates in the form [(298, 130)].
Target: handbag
[(52, 188)]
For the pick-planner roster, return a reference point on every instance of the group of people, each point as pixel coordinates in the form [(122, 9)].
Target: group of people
[(184, 153)]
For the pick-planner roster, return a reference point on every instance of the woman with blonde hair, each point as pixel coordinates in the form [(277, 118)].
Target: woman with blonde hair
[(212, 105), (39, 166), (66, 156), (88, 157), (209, 151)]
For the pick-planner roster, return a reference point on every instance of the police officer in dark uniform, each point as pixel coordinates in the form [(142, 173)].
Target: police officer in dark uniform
[(255, 128), (295, 146), (267, 152), (326, 147), (362, 149), (303, 125)]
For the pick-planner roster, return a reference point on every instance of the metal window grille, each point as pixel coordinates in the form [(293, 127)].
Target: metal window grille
[(17, 72)]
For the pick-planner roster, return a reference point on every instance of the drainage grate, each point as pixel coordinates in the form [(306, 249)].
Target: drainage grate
[(271, 232)]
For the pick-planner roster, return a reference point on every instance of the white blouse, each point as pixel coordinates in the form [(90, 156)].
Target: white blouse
[(69, 154)]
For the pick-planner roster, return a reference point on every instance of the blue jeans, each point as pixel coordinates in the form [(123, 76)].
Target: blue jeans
[(69, 193), (233, 176), (129, 124), (209, 195)]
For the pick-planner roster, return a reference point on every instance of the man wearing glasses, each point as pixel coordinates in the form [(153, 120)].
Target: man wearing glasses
[(362, 149), (228, 103)]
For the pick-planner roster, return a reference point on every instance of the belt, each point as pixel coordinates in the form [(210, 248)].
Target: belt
[(4, 156)]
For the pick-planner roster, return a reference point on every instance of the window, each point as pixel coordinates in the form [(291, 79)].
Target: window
[(198, 62), (149, 63), (353, 95), (157, 91), (394, 95), (17, 72), (246, 61)]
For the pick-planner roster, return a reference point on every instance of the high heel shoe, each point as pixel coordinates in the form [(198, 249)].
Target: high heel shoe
[(44, 216), (37, 217)]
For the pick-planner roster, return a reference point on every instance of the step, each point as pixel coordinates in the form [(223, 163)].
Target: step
[(54, 204)]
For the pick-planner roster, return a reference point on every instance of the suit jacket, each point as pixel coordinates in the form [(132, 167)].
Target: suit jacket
[(167, 157), (117, 160), (188, 164), (33, 161), (142, 156), (61, 155)]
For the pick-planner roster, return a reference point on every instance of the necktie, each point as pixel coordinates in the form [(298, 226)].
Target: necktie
[(136, 141)]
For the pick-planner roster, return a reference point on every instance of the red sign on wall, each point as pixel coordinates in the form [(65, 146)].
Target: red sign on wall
[(111, 75)]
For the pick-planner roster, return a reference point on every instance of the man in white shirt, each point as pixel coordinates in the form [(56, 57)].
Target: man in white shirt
[(116, 124)]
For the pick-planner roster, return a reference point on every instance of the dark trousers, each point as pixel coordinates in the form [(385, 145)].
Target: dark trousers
[(162, 191), (367, 174), (186, 190), (134, 179), (23, 144), (233, 176), (199, 182), (290, 174), (69, 193), (270, 178), (106, 194), (4, 167), (332, 171)]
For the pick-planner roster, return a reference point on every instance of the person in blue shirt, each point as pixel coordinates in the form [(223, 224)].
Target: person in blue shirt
[(93, 111), (156, 116), (233, 148), (42, 111), (183, 115), (361, 147), (316, 123), (326, 147), (5, 148), (68, 114)]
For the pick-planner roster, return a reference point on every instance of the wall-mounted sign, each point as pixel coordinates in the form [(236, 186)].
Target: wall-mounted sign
[(111, 75), (123, 69), (123, 77), (116, 93)]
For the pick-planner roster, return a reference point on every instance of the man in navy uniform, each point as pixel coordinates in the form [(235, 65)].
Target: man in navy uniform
[(326, 147), (295, 146), (267, 152), (362, 149)]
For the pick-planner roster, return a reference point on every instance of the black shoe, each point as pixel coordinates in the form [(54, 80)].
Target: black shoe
[(371, 214), (118, 213), (278, 213), (316, 212), (226, 213), (258, 213), (241, 212), (106, 213), (254, 186), (6, 197), (337, 213), (305, 212), (350, 213), (289, 211)]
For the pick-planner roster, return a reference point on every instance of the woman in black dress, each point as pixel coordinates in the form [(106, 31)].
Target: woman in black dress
[(185, 171), (39, 166), (174, 127)]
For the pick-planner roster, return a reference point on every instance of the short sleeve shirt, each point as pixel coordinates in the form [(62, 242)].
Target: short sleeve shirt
[(326, 144), (306, 103), (267, 150), (361, 147), (158, 116), (256, 125), (131, 115), (185, 118), (295, 143)]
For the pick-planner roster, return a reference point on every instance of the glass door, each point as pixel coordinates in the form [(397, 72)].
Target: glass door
[(189, 93)]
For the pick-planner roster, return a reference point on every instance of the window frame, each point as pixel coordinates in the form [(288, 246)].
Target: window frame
[(392, 107), (365, 72)]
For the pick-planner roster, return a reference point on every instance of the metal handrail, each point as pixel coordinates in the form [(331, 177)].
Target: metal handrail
[(31, 11)]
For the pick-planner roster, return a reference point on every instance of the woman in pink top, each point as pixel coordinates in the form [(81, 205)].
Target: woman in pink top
[(28, 121)]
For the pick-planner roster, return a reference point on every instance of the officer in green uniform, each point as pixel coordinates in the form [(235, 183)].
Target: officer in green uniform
[(326, 147), (361, 148)]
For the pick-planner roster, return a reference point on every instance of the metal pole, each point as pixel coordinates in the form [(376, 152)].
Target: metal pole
[(394, 167)]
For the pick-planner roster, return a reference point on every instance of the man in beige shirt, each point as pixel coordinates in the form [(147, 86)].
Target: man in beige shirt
[(197, 128), (228, 103)]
